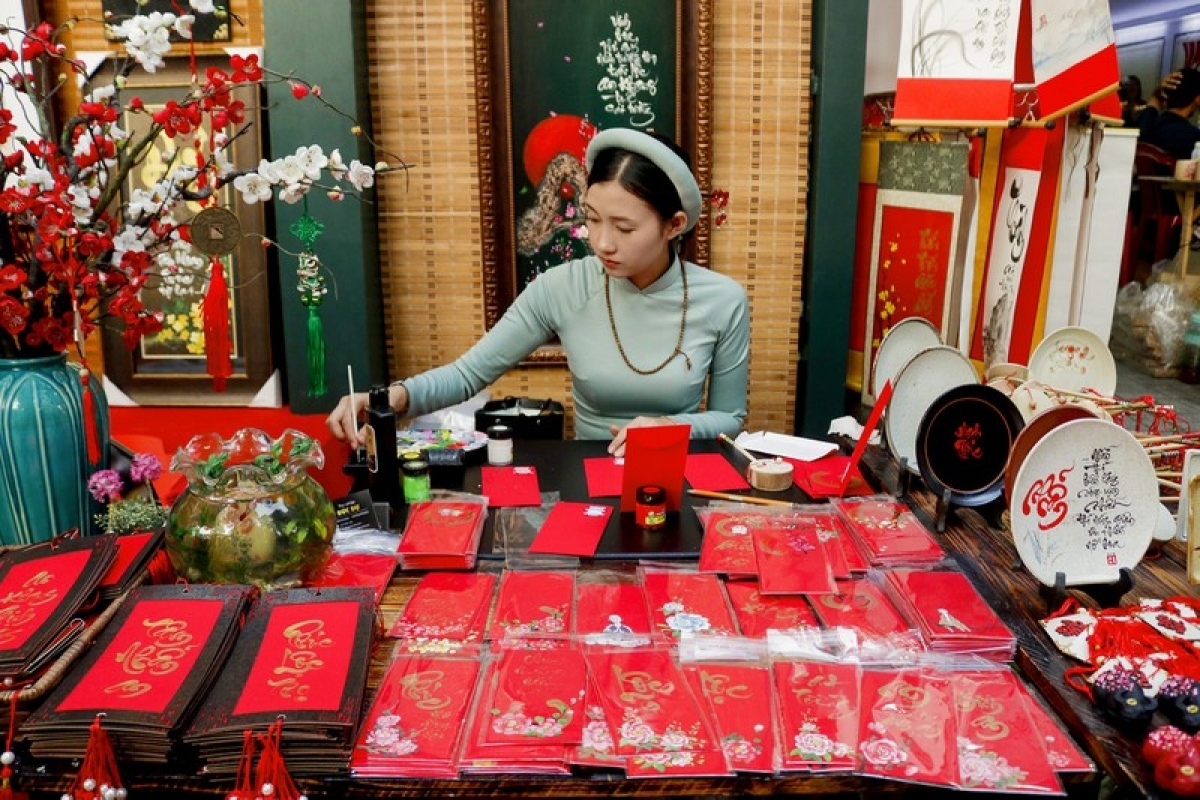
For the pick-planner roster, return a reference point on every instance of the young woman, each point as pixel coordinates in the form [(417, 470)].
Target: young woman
[(648, 337)]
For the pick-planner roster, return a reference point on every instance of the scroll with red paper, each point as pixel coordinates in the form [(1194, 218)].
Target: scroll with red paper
[(957, 62), (1074, 54), (1017, 251)]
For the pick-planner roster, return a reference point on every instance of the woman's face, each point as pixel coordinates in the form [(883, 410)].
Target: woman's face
[(627, 235)]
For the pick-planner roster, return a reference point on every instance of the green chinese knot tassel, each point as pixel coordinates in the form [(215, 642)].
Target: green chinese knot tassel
[(311, 285)]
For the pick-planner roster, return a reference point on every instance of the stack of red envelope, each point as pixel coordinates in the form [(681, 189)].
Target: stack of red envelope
[(888, 532), (406, 732), (443, 534), (949, 613)]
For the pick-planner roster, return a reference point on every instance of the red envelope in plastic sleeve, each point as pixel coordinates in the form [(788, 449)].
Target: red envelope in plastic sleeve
[(792, 560), (728, 546), (739, 702), (684, 604), (536, 696), (818, 714), (533, 603), (859, 604), (907, 726), (757, 613)]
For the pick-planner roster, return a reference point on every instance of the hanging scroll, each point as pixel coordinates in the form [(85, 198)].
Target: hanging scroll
[(916, 253), (1074, 54), (957, 62), (1017, 252)]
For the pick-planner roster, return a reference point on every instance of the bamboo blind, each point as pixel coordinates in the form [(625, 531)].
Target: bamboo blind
[(422, 84)]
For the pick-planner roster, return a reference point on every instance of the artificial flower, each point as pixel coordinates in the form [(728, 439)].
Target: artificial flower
[(77, 245)]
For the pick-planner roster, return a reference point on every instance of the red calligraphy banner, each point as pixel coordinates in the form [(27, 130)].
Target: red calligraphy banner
[(303, 660), (152, 655)]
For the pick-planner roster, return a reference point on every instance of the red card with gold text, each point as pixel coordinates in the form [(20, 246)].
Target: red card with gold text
[(413, 729), (792, 560), (907, 726), (447, 605), (440, 527), (728, 546), (535, 696), (757, 613), (154, 658), (999, 748), (511, 486), (311, 643), (41, 586), (738, 697), (818, 714), (657, 722), (303, 653), (860, 604), (889, 531)]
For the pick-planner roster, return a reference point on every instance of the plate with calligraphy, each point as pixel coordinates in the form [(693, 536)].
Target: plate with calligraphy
[(919, 383), (1085, 503), (964, 441)]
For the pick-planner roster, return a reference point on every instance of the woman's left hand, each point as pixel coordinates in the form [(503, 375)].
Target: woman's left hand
[(617, 446)]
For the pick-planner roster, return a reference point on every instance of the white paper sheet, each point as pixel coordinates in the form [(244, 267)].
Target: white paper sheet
[(778, 444)]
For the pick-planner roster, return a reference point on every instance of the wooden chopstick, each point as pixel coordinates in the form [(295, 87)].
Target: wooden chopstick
[(739, 498)]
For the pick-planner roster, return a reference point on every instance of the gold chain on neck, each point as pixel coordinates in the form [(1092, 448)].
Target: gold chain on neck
[(678, 351)]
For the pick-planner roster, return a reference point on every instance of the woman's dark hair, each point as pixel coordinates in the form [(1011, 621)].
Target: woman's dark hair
[(640, 176)]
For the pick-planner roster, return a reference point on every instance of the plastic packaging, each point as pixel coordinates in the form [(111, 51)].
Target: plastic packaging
[(1189, 362)]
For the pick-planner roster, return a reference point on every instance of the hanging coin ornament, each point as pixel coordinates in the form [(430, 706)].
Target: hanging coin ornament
[(310, 282), (216, 231)]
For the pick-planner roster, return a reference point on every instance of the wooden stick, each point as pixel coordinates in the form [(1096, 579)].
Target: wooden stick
[(1168, 474), (1170, 485), (739, 498), (725, 438)]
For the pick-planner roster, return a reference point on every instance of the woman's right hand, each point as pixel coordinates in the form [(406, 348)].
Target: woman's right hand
[(343, 420)]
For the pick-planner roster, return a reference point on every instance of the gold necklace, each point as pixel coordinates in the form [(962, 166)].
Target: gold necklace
[(678, 351)]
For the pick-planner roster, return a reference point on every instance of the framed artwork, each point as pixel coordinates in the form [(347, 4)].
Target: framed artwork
[(170, 367), (551, 74), (207, 28)]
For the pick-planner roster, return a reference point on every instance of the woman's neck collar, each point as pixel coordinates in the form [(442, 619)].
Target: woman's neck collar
[(640, 285)]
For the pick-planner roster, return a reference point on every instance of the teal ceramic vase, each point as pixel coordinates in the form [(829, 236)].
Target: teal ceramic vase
[(43, 449)]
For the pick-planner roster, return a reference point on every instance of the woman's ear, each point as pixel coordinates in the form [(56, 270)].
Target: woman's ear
[(677, 224)]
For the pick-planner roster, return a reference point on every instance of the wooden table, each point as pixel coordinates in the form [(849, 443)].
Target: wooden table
[(984, 553), (1185, 191)]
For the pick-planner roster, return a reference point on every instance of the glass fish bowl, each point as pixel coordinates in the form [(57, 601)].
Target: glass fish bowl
[(251, 513)]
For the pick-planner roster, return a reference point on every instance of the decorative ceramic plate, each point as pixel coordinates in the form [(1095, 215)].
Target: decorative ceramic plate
[(1032, 399), (1006, 369), (1035, 428), (925, 377), (1074, 359), (1085, 504), (964, 441), (903, 340)]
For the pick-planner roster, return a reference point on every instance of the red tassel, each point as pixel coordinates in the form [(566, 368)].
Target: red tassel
[(90, 430), (273, 780), (9, 757), (243, 789), (98, 772), (217, 346)]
